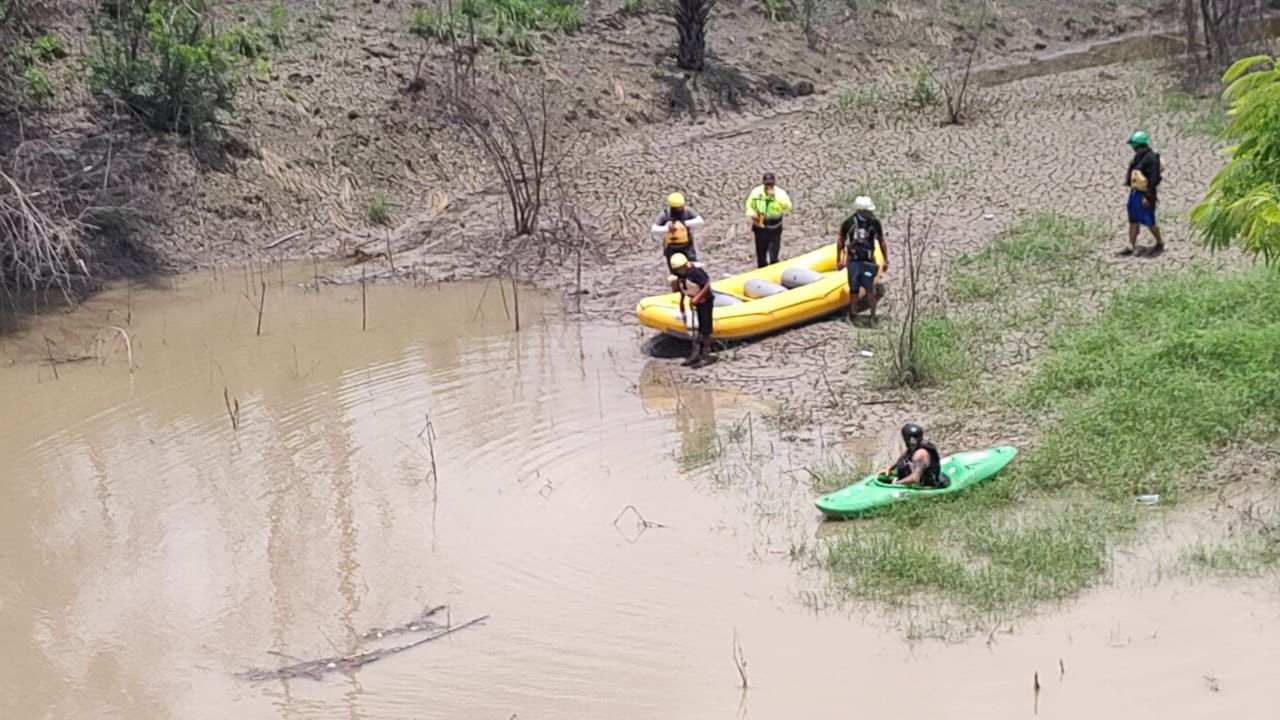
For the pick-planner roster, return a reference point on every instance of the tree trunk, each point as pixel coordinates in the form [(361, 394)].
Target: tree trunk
[(1191, 24), (691, 26)]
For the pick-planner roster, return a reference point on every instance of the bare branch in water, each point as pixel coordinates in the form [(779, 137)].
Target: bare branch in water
[(316, 669)]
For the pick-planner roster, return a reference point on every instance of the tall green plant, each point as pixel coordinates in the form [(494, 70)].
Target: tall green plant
[(161, 58), (1242, 205)]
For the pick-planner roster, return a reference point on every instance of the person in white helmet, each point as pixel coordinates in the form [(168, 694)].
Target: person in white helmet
[(860, 233)]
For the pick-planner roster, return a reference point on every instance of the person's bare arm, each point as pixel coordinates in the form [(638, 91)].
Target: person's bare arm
[(918, 463)]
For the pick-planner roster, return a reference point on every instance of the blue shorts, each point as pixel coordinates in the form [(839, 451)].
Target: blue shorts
[(1138, 214)]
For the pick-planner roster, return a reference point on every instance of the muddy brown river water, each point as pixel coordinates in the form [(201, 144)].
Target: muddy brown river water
[(149, 552)]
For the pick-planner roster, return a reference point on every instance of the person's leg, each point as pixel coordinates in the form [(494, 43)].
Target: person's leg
[(775, 244), (868, 288), (1155, 233), (1134, 212), (762, 245), (695, 342), (1133, 239), (705, 330)]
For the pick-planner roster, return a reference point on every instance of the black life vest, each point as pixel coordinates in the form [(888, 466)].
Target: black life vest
[(932, 476), (859, 241)]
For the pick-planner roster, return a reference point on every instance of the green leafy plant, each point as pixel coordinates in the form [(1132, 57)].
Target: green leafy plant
[(162, 58), (49, 48), (566, 18), (378, 211), (633, 7), (277, 30), (428, 24), (511, 24), (1242, 205), (777, 10), (37, 89), (924, 92)]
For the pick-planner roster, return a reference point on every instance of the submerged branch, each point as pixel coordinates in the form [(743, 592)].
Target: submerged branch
[(316, 669)]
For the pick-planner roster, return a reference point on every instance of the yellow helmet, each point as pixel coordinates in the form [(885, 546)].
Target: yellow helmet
[(678, 261), (675, 200)]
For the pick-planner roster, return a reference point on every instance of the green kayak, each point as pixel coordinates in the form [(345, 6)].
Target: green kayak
[(962, 469)]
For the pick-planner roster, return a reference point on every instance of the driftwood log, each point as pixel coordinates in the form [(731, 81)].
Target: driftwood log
[(316, 669)]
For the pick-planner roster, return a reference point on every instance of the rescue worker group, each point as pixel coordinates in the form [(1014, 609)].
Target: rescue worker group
[(860, 236), (767, 206)]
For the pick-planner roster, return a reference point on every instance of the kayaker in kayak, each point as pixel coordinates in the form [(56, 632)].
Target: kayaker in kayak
[(855, 250), (675, 227), (920, 464), (695, 286)]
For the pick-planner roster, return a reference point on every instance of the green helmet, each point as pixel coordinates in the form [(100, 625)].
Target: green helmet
[(1139, 137)]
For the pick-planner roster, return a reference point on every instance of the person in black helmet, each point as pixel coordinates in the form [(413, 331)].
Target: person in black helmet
[(920, 464)]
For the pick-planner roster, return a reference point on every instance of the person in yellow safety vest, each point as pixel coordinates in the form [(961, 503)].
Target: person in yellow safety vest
[(675, 227), (766, 206)]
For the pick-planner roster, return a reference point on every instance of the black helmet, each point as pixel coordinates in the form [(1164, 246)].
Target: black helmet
[(912, 431)]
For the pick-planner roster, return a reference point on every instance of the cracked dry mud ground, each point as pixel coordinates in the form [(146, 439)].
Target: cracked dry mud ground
[(1049, 144)]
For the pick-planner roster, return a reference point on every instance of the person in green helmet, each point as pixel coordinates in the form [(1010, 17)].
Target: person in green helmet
[(1143, 179)]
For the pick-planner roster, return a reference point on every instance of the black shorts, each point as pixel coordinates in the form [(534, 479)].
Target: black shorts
[(704, 312), (686, 249), (862, 274)]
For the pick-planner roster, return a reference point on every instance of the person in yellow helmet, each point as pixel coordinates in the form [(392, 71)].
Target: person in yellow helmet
[(766, 206), (675, 227), (695, 286)]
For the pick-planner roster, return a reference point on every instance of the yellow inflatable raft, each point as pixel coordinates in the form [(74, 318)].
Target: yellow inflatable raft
[(762, 300)]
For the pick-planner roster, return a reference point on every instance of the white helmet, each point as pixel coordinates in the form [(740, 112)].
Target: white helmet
[(862, 202)]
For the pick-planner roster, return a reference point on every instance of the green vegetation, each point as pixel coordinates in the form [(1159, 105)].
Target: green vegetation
[(1138, 401), (378, 211), (1046, 250), (1030, 274), (831, 474), (937, 356), (701, 447), (1242, 205), (1178, 366), (511, 24), (777, 10), (867, 97), (897, 187), (37, 89), (924, 92), (165, 61), (1253, 551), (633, 7)]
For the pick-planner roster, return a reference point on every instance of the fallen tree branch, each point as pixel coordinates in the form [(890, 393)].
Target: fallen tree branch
[(316, 669)]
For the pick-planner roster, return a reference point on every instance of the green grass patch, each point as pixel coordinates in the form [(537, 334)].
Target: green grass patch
[(1177, 367), (896, 187), (1253, 553), (511, 24), (1042, 252), (937, 356), (378, 210), (833, 473), (1142, 399)]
